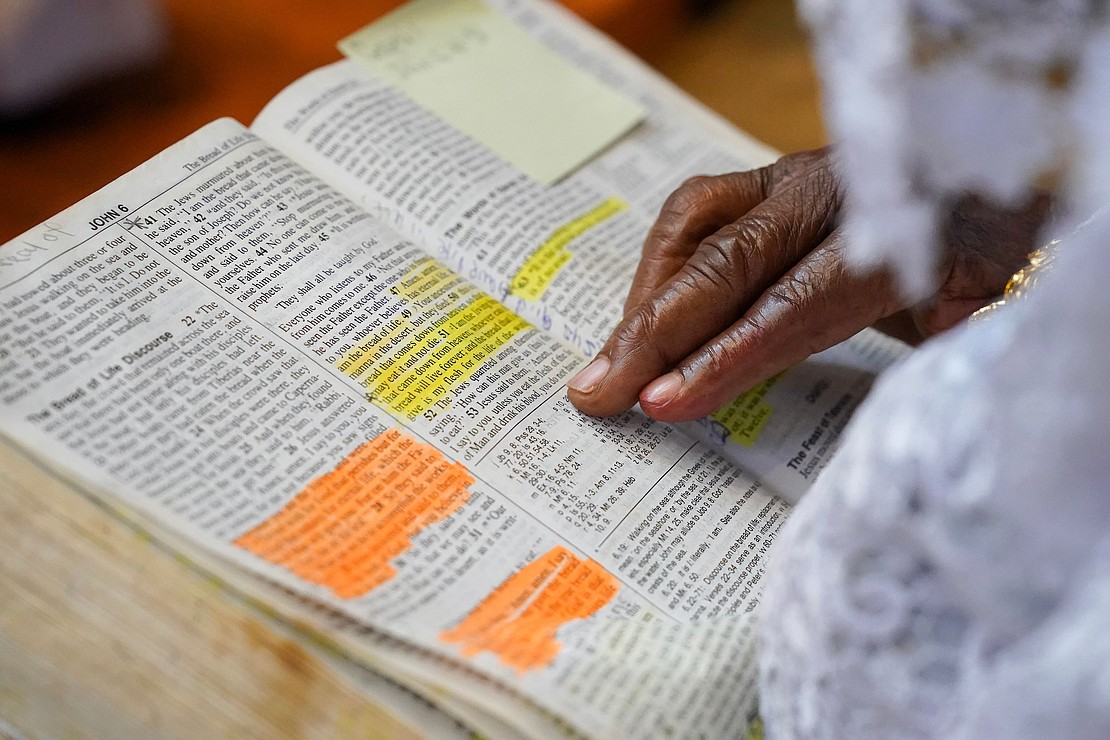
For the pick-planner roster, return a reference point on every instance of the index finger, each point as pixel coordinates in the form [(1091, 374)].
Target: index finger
[(727, 273), (701, 206), (692, 213)]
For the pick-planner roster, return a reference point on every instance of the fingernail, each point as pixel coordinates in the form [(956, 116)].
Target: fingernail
[(586, 380), (662, 390)]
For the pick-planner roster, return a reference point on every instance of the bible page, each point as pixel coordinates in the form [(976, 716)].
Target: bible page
[(563, 256), (228, 347)]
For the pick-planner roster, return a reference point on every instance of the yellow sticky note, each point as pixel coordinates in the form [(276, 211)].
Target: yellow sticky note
[(488, 78)]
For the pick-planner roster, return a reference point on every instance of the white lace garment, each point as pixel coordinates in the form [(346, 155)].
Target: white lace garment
[(949, 573)]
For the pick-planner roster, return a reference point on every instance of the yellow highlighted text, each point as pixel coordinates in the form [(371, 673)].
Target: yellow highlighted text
[(746, 416), (537, 272), (418, 359)]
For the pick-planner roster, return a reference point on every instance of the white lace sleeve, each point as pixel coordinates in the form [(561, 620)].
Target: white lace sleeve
[(949, 573), (928, 584)]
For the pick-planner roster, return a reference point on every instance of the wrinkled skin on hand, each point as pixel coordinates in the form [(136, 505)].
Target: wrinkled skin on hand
[(744, 275)]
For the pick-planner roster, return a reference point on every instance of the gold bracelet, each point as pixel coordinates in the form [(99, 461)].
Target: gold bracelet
[(1024, 280)]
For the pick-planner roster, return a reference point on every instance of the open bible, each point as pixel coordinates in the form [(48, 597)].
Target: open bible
[(321, 361)]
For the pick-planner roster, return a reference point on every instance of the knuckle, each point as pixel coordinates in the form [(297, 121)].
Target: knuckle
[(697, 185), (719, 265), (759, 229), (791, 165), (793, 294), (757, 326), (690, 195), (797, 301), (639, 329), (644, 335), (718, 359), (812, 183), (795, 291), (742, 242)]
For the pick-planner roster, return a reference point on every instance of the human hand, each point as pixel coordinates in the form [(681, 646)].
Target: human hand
[(744, 275)]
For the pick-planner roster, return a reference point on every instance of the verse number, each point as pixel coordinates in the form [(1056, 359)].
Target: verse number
[(204, 308), (139, 222)]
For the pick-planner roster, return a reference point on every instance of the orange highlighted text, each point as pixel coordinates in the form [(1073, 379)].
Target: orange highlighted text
[(518, 621), (345, 527)]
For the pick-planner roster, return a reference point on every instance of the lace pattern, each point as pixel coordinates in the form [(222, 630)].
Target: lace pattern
[(949, 573), (927, 98), (946, 552)]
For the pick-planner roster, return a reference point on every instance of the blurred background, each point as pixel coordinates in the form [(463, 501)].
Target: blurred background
[(89, 90)]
